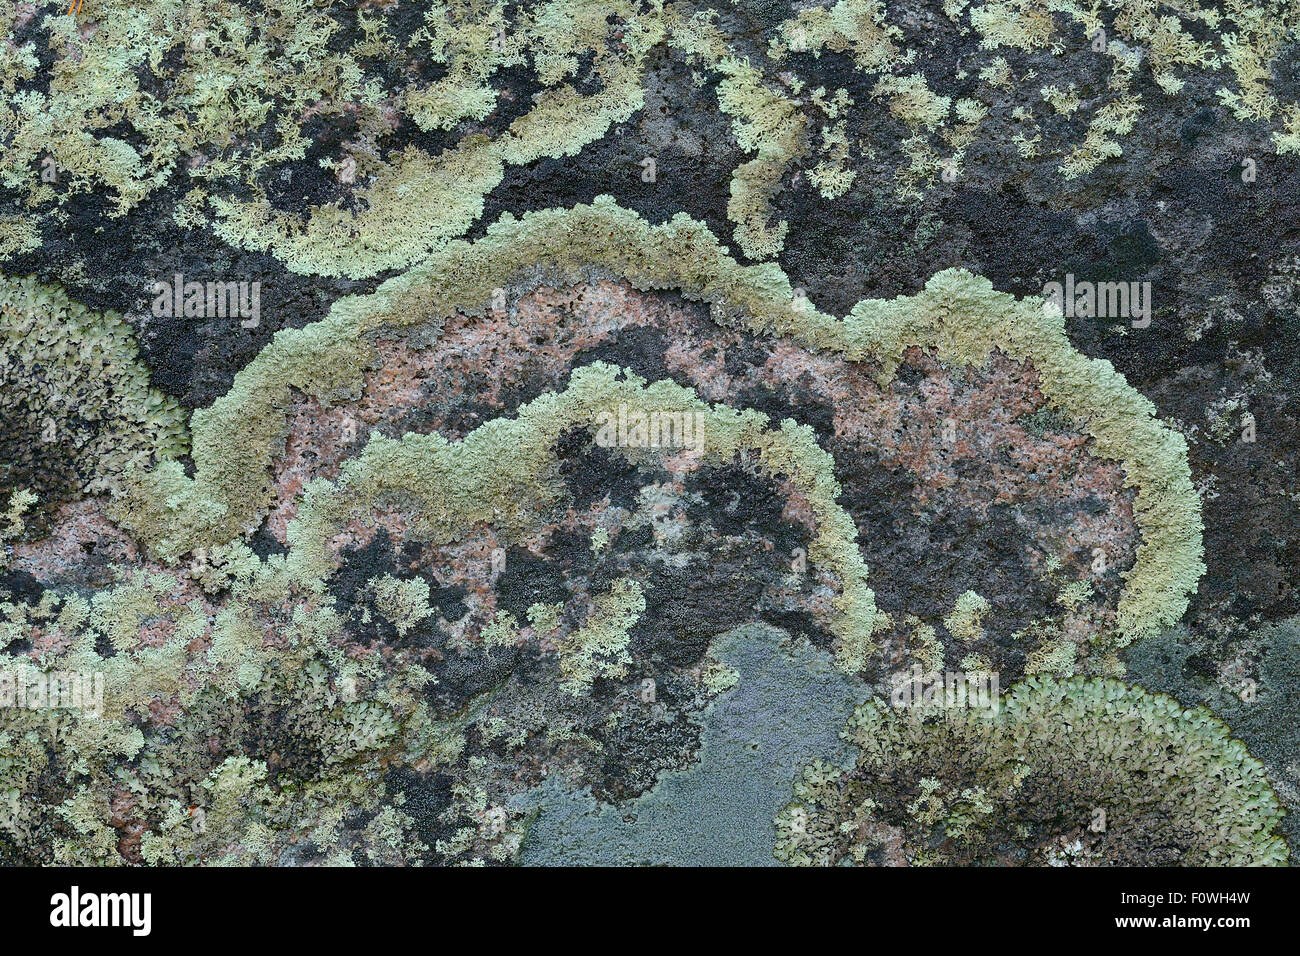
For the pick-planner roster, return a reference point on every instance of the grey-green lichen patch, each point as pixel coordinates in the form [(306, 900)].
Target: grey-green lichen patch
[(502, 471), (347, 141), (1079, 772), (77, 405), (957, 315), (964, 319), (206, 743), (217, 93), (787, 706), (1255, 689)]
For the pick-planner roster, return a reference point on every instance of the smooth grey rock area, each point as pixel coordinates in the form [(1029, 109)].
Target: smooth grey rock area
[(787, 709)]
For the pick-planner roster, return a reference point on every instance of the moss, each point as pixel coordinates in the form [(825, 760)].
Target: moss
[(1135, 779)]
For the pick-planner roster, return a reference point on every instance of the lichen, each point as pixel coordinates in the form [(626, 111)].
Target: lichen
[(161, 98), (78, 406), (1133, 779), (368, 616), (958, 315)]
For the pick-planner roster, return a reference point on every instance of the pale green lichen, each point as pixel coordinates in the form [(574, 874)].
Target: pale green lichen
[(599, 647), (718, 677), (199, 804), (1130, 777), (967, 617), (213, 116), (76, 399), (958, 315), (854, 26), (502, 632), (229, 98), (19, 502), (403, 603), (544, 618)]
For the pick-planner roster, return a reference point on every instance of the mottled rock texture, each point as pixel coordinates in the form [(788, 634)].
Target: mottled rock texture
[(578, 415)]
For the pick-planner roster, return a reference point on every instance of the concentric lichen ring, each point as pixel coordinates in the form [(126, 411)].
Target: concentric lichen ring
[(959, 315)]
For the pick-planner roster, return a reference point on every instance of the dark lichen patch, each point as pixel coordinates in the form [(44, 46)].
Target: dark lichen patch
[(690, 606), (425, 798), (677, 128), (593, 474), (196, 359), (641, 747), (947, 554), (352, 588), (981, 517), (796, 400), (20, 587), (738, 503), (274, 734), (466, 676), (307, 182), (529, 579), (639, 349), (50, 468)]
